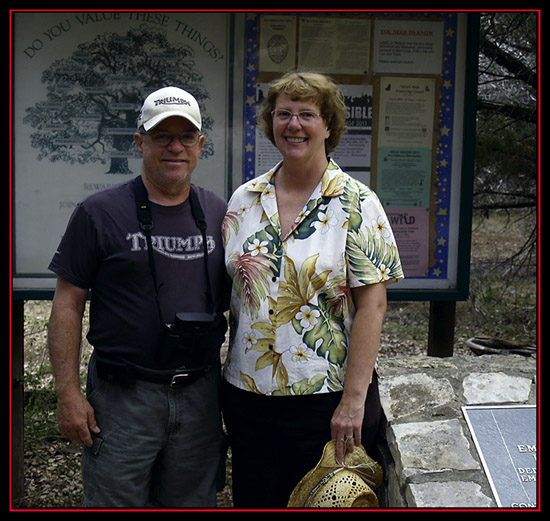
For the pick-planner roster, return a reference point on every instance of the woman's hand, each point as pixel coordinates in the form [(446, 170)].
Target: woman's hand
[(345, 426)]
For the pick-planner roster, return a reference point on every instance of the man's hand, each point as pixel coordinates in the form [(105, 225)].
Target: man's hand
[(76, 419), (75, 415)]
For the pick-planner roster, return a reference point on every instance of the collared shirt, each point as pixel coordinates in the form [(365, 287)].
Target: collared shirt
[(291, 306)]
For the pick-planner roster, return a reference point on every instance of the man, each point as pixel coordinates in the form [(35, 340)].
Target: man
[(150, 422)]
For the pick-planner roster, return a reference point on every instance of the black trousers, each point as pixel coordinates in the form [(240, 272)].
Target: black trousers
[(275, 441)]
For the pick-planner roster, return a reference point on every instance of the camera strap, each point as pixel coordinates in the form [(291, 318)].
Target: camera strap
[(145, 217), (200, 221)]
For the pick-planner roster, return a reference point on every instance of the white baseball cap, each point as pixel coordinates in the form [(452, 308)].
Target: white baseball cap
[(168, 102)]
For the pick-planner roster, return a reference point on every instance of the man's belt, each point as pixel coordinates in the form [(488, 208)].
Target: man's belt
[(175, 377), (123, 372)]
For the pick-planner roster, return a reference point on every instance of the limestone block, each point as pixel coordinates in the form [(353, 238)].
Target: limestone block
[(480, 388), (430, 447), (411, 394), (448, 494)]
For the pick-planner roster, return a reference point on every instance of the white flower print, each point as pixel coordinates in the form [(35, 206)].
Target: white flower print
[(307, 317), (249, 339), (243, 210), (300, 353), (257, 247), (326, 220), (383, 272), (253, 184), (269, 192), (381, 226)]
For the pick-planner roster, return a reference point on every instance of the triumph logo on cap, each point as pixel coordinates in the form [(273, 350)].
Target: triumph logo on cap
[(168, 102), (171, 101)]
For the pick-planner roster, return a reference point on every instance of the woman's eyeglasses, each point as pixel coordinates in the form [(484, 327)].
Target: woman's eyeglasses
[(305, 117)]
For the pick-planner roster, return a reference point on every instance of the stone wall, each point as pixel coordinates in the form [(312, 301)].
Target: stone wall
[(431, 461)]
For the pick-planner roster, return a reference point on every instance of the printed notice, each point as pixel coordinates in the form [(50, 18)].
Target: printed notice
[(353, 153), (410, 228), (404, 176), (406, 112), (277, 43), (334, 46), (408, 47)]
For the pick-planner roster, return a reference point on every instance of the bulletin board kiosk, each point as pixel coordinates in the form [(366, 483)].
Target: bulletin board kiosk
[(78, 79)]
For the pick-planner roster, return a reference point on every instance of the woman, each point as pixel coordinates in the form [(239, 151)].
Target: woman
[(310, 251)]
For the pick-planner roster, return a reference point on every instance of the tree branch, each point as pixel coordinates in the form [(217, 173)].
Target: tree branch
[(512, 111), (509, 62)]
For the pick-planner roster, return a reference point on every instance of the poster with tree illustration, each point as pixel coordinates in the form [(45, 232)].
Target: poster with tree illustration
[(94, 96), (79, 80)]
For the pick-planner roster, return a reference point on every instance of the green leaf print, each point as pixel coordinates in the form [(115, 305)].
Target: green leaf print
[(309, 387), (327, 337)]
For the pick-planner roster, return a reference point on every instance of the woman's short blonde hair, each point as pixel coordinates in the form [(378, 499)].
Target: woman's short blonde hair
[(318, 88)]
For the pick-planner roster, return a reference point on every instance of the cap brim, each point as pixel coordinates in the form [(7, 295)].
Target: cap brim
[(153, 122)]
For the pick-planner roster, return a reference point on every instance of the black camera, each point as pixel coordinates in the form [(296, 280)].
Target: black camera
[(190, 328), (196, 336), (192, 331), (194, 323)]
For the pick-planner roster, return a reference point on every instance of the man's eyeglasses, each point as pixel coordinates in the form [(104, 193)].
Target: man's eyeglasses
[(305, 117), (161, 139)]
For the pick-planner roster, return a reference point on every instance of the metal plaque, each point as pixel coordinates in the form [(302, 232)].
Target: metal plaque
[(506, 441)]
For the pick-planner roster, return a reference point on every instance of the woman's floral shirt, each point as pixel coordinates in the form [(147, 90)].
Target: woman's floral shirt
[(291, 306)]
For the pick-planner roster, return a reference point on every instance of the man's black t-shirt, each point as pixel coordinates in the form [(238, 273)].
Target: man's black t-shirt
[(104, 249)]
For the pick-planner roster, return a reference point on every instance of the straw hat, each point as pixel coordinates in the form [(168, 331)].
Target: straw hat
[(333, 485)]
